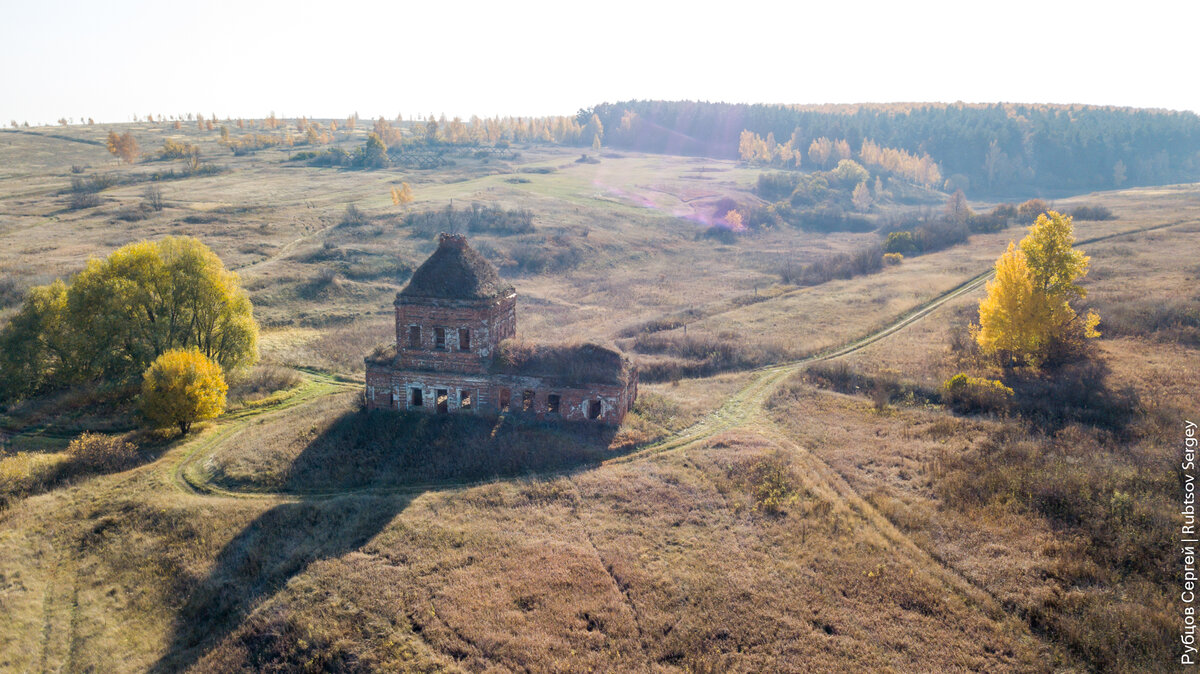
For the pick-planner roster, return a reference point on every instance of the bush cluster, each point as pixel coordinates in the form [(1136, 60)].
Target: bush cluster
[(477, 218), (1171, 320), (967, 394), (700, 355), (865, 260), (883, 388), (101, 453), (1092, 213)]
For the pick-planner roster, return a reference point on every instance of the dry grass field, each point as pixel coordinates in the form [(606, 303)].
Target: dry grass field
[(755, 520)]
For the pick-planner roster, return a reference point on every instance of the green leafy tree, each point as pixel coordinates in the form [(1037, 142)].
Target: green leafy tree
[(849, 173), (900, 242), (119, 314), (182, 387), (374, 152), (35, 346)]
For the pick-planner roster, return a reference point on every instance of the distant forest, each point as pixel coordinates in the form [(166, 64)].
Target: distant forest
[(997, 148)]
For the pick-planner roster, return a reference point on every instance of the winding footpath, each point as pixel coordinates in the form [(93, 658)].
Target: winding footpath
[(186, 467), (743, 406)]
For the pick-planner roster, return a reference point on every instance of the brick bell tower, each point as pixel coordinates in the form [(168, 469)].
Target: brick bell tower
[(454, 311)]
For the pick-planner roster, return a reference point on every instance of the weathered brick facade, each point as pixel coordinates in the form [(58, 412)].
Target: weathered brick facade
[(451, 320)]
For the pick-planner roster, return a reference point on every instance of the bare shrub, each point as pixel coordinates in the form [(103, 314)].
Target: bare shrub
[(81, 200), (11, 292), (103, 453), (883, 388), (865, 260), (699, 355), (1171, 320), (1028, 211), (133, 213), (478, 218), (1075, 393), (1093, 212), (152, 198), (354, 217)]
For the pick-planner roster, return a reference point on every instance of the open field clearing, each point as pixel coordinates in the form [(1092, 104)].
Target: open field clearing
[(780, 516)]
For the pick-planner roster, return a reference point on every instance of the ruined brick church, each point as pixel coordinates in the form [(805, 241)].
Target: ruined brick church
[(455, 352)]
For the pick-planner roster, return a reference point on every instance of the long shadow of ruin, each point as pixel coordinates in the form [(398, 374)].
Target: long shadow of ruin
[(382, 449), (279, 544), (362, 450)]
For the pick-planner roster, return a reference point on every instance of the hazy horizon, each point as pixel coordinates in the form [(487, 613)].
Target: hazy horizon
[(533, 59)]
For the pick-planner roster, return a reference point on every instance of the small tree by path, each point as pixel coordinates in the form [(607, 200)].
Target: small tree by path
[(182, 387)]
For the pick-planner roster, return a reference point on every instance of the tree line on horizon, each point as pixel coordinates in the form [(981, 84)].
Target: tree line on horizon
[(993, 148)]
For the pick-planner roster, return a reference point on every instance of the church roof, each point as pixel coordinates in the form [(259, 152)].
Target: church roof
[(456, 271)]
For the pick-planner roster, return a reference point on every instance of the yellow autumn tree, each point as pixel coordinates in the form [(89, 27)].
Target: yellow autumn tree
[(182, 387), (402, 195), (820, 151), (1008, 323), (746, 145), (1026, 317)]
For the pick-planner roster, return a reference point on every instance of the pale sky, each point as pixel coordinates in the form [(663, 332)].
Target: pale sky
[(113, 59)]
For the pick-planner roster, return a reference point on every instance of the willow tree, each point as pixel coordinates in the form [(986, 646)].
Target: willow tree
[(1027, 317), (119, 314)]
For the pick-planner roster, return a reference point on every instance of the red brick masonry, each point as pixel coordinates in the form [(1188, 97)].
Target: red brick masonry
[(443, 361)]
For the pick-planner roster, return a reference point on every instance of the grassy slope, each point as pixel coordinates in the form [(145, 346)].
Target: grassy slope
[(657, 559)]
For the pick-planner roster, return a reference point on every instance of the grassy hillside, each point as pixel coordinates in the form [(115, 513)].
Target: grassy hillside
[(824, 512)]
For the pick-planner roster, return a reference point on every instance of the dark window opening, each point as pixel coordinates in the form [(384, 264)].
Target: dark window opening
[(552, 403), (439, 338), (417, 397), (593, 409), (505, 399), (527, 401), (464, 339), (414, 336), (466, 399), (443, 401)]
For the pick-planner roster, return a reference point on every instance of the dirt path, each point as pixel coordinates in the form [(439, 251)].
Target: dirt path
[(188, 469), (741, 407)]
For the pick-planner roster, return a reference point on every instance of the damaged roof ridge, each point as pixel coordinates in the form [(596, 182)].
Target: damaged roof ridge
[(456, 271)]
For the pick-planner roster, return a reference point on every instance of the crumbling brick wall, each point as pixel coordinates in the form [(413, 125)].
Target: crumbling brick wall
[(393, 388), (488, 322)]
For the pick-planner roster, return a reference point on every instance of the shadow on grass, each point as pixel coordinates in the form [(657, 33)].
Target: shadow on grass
[(382, 448), (361, 450), (279, 544), (1076, 393)]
